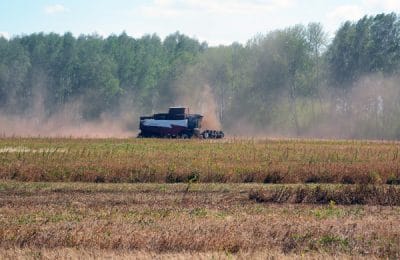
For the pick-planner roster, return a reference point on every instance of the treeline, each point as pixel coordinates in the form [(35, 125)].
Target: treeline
[(291, 82), (56, 70)]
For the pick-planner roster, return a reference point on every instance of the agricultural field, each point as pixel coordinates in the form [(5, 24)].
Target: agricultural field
[(226, 161), (244, 198)]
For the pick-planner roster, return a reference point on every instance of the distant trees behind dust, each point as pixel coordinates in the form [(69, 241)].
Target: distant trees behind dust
[(292, 82)]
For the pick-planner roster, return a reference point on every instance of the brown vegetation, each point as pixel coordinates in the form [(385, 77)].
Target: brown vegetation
[(70, 253), (344, 195), (196, 198), (177, 218), (229, 161)]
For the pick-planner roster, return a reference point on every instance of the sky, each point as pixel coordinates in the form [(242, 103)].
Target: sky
[(216, 22)]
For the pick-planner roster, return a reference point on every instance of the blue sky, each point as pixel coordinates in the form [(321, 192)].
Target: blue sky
[(217, 22)]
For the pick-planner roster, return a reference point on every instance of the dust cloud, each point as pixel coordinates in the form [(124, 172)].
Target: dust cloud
[(56, 127), (209, 109), (67, 122), (199, 98), (368, 109)]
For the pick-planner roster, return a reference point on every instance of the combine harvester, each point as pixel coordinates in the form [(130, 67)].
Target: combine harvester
[(177, 123)]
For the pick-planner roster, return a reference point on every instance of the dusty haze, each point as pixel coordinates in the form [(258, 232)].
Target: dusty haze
[(208, 108), (362, 112), (67, 122)]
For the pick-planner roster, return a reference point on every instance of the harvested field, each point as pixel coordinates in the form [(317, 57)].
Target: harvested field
[(109, 254), (228, 161), (113, 198), (195, 219)]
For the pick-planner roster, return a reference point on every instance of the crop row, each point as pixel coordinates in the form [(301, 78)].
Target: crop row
[(174, 161)]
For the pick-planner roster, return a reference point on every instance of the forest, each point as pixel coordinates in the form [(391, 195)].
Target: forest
[(291, 82)]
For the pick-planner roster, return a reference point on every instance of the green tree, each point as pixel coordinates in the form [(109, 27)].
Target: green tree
[(14, 68), (97, 74)]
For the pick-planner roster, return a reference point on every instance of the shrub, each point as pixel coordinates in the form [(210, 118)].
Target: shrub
[(273, 177)]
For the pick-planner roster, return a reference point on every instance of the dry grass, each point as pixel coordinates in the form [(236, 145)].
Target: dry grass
[(172, 219), (317, 194), (198, 199), (17, 254), (173, 161)]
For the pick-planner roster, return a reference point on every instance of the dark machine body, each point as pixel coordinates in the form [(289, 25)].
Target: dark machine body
[(177, 123)]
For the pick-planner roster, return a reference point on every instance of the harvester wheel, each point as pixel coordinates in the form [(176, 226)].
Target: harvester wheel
[(183, 136)]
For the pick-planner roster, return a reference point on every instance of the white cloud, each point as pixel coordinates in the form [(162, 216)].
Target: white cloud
[(383, 5), (57, 8), (222, 7), (5, 35), (238, 6), (346, 12), (160, 11), (340, 14)]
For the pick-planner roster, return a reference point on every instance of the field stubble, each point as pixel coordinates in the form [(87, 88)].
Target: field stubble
[(324, 198), (172, 218)]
